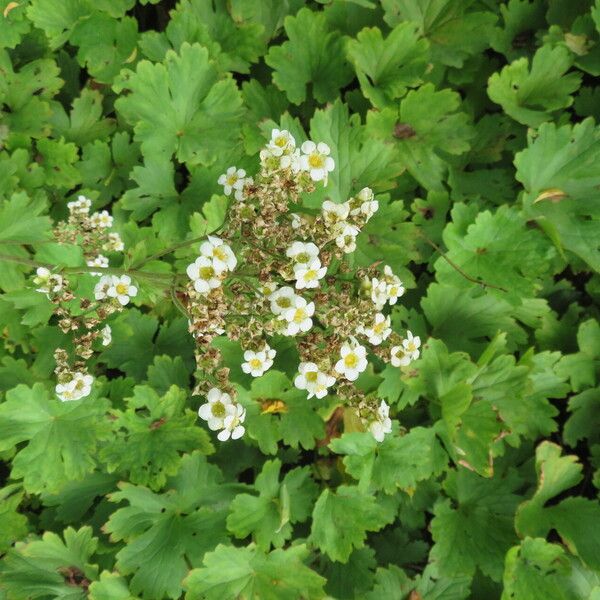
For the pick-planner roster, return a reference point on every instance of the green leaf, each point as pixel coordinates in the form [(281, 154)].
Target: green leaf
[(166, 371), (13, 525), (230, 573), (180, 107), (573, 518), (399, 462), (45, 568), (313, 56), (269, 516), (166, 532), (21, 220), (454, 31), (425, 128), (536, 570), (110, 586), (386, 68), (559, 170), (62, 437), (150, 436), (498, 249), (475, 528), (530, 97), (333, 532)]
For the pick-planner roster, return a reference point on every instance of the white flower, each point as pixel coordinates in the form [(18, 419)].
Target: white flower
[(218, 406), (204, 275), (232, 180), (106, 334), (297, 221), (334, 213), (232, 425), (403, 355), (303, 252), (101, 220), (100, 261), (79, 387), (379, 330), (379, 292), (121, 289), (267, 288), (80, 206), (102, 287), (282, 299), (292, 161), (313, 380), (298, 317), (114, 243), (353, 360), (240, 193), (316, 160), (365, 204), (259, 362), (282, 141), (47, 281), (308, 276), (223, 258), (346, 238), (395, 289), (382, 424)]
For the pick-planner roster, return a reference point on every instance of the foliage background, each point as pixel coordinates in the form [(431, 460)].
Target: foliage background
[(474, 123)]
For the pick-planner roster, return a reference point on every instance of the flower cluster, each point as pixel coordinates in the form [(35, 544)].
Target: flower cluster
[(86, 323), (293, 283)]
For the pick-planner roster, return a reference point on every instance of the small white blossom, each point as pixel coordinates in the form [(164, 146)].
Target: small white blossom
[(121, 289), (106, 334), (218, 406), (282, 299), (114, 243), (353, 360), (379, 331), (298, 317), (101, 220), (303, 252), (81, 206), (379, 292), (282, 142), (308, 275), (267, 288), (382, 423), (334, 213), (346, 238), (313, 380), (297, 221), (47, 281), (257, 363), (223, 258), (395, 288), (365, 204), (204, 275), (292, 161), (232, 425), (79, 387), (316, 160), (402, 356), (233, 180), (102, 287), (100, 261)]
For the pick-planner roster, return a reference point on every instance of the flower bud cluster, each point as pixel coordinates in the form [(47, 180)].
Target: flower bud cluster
[(292, 281), (85, 322)]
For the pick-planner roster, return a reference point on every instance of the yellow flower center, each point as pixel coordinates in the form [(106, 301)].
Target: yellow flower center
[(280, 141), (218, 409), (299, 315), (232, 179), (310, 275), (316, 161), (121, 289), (411, 347), (312, 376), (351, 360), (255, 363), (206, 272), (303, 257), (220, 253), (283, 302), (379, 327)]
